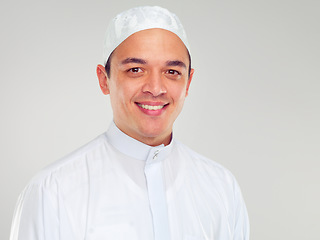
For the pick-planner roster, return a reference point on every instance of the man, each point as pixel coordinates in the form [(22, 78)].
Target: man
[(136, 181)]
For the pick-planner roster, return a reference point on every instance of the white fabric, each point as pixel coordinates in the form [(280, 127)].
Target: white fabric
[(138, 19), (118, 188)]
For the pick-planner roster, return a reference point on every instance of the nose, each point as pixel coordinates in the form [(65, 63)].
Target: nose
[(154, 85)]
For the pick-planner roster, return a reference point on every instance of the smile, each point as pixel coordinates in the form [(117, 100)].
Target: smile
[(149, 107)]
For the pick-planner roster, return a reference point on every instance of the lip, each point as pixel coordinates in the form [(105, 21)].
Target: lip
[(153, 112)]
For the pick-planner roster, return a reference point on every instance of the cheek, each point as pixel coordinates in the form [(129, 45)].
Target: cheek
[(116, 95), (123, 93), (179, 94)]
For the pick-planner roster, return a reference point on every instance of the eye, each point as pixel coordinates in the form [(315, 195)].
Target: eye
[(173, 72), (135, 70)]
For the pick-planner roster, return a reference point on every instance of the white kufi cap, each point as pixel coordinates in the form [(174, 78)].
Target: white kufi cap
[(138, 19)]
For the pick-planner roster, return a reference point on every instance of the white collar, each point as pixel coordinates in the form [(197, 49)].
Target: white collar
[(134, 148)]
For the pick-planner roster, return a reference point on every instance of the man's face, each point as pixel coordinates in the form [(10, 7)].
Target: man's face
[(148, 84)]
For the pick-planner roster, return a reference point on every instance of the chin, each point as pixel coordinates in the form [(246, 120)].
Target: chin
[(154, 131)]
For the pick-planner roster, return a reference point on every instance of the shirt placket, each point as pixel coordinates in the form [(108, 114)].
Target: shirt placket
[(157, 195)]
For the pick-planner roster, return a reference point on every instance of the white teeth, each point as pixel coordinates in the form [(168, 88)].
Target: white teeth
[(151, 107)]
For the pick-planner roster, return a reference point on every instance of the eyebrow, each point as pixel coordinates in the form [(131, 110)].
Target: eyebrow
[(176, 63), (133, 60), (141, 61)]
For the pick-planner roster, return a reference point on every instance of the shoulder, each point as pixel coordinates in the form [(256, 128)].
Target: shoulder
[(210, 176), (64, 180), (204, 165), (71, 164)]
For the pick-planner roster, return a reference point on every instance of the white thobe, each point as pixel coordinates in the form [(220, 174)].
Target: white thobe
[(118, 188)]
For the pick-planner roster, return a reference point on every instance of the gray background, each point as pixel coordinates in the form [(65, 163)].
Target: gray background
[(253, 103)]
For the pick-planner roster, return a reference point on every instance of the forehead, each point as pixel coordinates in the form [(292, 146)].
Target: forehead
[(152, 44)]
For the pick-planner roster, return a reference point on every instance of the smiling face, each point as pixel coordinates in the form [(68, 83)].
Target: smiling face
[(148, 84)]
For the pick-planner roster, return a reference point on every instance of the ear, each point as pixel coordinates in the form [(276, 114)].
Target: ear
[(189, 81), (103, 79)]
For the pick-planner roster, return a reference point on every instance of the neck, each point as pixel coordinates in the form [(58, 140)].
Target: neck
[(152, 141)]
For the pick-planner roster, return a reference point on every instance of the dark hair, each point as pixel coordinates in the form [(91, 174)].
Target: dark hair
[(108, 64)]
